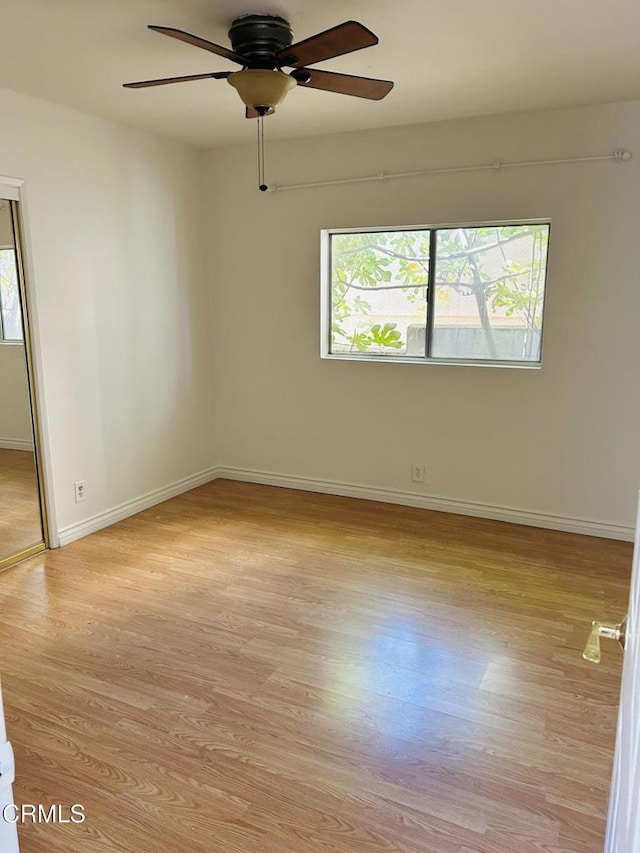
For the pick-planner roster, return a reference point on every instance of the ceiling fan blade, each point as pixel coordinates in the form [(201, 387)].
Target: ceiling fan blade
[(196, 41), (143, 84), (344, 84), (345, 38)]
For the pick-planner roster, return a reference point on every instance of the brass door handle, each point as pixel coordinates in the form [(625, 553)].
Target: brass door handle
[(607, 631)]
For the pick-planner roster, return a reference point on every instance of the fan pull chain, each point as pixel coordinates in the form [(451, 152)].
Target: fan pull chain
[(261, 184)]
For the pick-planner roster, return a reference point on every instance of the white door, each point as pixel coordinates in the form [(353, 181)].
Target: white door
[(8, 829), (623, 831)]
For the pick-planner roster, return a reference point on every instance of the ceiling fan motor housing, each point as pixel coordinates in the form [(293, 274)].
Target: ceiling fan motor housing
[(259, 38)]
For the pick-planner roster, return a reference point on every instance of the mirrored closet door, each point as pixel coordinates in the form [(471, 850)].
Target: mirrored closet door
[(22, 530)]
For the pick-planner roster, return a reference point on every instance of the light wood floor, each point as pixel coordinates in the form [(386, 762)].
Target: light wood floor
[(20, 524), (253, 670)]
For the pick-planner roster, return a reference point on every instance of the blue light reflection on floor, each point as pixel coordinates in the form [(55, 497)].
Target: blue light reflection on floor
[(402, 678)]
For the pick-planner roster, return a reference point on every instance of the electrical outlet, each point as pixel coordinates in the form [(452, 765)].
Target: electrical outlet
[(80, 492), (418, 472)]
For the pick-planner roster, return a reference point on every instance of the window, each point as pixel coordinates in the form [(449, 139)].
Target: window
[(472, 293), (10, 313)]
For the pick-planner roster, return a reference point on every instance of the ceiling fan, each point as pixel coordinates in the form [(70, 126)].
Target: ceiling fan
[(262, 45)]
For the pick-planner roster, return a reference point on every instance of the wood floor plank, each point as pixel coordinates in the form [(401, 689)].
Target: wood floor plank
[(255, 670)]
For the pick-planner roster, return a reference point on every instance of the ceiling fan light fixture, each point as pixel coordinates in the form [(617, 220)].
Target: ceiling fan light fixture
[(261, 88)]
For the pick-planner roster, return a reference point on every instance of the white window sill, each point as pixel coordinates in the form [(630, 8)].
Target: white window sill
[(448, 362)]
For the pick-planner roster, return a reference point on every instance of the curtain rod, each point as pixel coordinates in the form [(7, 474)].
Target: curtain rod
[(619, 155)]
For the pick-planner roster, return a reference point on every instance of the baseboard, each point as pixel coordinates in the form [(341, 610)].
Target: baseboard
[(16, 444), (394, 496), (128, 508), (512, 515)]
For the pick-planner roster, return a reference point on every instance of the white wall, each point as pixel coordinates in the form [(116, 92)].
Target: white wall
[(6, 228), (122, 305), (15, 417), (561, 441)]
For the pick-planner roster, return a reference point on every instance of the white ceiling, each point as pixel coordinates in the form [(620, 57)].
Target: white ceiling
[(449, 59)]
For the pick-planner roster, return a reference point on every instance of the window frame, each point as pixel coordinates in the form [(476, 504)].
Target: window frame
[(325, 296)]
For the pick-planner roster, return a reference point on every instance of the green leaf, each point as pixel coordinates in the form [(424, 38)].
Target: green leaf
[(386, 336)]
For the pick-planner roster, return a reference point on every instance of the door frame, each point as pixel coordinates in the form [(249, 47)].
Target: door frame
[(8, 831), (623, 820), (14, 190)]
